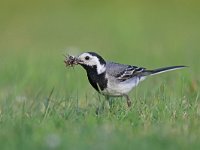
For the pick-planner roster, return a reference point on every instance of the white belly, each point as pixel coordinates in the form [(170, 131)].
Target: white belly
[(120, 88)]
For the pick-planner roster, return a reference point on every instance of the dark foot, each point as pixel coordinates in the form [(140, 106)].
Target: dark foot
[(128, 100), (129, 103)]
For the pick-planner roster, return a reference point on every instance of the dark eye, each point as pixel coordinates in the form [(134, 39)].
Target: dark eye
[(87, 58)]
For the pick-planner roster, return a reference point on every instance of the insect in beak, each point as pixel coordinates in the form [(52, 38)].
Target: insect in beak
[(70, 61)]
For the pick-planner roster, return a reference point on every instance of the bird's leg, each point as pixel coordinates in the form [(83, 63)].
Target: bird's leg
[(128, 100)]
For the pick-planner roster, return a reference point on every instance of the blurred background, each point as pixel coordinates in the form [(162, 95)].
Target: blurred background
[(35, 35)]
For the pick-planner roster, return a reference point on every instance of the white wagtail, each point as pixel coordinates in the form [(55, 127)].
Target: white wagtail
[(114, 79)]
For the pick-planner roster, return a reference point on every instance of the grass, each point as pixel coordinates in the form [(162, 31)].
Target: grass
[(44, 105)]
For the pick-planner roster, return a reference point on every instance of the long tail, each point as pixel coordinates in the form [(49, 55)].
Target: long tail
[(162, 70)]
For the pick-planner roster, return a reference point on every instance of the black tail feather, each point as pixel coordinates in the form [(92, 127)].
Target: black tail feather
[(162, 70)]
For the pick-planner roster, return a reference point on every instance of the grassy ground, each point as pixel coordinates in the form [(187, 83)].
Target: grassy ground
[(44, 105)]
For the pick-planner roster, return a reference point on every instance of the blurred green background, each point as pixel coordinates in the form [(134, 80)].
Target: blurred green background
[(34, 35)]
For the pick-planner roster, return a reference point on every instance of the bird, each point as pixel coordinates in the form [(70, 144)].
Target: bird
[(113, 79)]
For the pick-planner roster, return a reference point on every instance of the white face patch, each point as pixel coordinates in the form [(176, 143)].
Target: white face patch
[(101, 68), (91, 60)]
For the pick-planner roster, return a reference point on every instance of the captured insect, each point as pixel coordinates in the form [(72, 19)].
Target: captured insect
[(70, 61)]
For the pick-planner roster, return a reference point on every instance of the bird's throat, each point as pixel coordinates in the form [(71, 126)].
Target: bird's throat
[(98, 81)]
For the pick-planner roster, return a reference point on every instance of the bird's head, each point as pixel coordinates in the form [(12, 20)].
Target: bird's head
[(91, 60)]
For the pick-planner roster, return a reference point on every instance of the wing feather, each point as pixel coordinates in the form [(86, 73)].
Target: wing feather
[(123, 72)]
